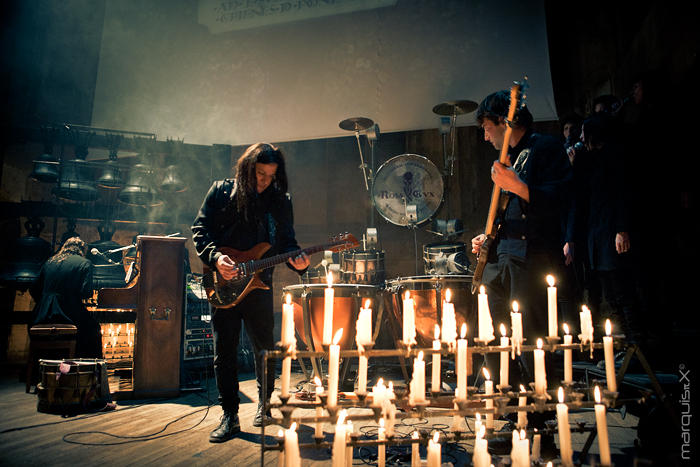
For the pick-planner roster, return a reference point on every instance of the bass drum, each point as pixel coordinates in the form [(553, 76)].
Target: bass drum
[(406, 181), (428, 293)]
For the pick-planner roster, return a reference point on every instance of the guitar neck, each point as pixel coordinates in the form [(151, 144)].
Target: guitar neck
[(265, 263)]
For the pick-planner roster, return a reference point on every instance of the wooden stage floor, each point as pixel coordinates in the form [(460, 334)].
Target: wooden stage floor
[(175, 432)]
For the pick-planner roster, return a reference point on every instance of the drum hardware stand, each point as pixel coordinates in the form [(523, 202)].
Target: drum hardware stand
[(358, 124)]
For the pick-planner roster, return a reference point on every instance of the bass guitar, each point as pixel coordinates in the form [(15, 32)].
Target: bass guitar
[(223, 293), (499, 200)]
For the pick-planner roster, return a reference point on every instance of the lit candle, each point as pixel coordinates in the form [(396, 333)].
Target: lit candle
[(409, 320), (516, 328), (339, 441), (518, 451), (418, 382), (461, 393), (524, 449), (504, 357), (389, 410), (481, 458), (602, 425), (434, 451), (552, 306), (328, 311), (609, 358), (333, 362), (540, 375), (280, 458), (485, 321), (522, 414), (488, 391), (568, 360), (378, 393), (381, 449), (564, 431), (362, 372), (288, 337), (364, 325), (292, 458), (449, 321), (435, 380), (586, 325), (415, 452), (318, 433), (536, 444)]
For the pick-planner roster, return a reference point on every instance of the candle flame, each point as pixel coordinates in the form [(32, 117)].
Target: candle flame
[(549, 464), (318, 382), (448, 295), (436, 437), (539, 344), (288, 299), (503, 329), (420, 356), (367, 302), (585, 309), (596, 393), (482, 289), (487, 375), (478, 417), (280, 434), (407, 295), (329, 279), (566, 328), (550, 280), (522, 388), (516, 306), (608, 327), (463, 331), (415, 434), (293, 427), (380, 382), (337, 336), (381, 423), (523, 435), (341, 416), (437, 332), (560, 395)]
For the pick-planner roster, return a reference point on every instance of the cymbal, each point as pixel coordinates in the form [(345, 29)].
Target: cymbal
[(356, 123), (450, 108)]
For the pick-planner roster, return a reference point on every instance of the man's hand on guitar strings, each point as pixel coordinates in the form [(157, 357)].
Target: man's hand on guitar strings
[(505, 178), (226, 267), (300, 262), (477, 242)]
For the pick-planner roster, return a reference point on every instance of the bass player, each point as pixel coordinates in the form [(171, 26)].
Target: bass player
[(239, 214)]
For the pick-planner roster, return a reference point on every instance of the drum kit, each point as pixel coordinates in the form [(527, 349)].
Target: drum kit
[(407, 190)]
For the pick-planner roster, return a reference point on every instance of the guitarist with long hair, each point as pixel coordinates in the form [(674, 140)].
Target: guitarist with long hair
[(239, 214), (528, 240)]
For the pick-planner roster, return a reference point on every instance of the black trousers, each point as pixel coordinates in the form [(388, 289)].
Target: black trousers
[(255, 312)]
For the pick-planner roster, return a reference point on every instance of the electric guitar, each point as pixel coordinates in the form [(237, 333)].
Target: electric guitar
[(499, 200), (227, 294)]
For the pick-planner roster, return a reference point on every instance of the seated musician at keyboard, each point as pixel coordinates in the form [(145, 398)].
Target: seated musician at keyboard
[(64, 281), (240, 214)]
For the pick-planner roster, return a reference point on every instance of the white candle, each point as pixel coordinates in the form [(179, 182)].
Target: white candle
[(435, 379), (519, 454), (292, 458), (378, 393), (418, 382), (488, 391), (536, 444), (348, 447), (522, 415), (364, 325), (485, 321), (461, 393), (610, 376), (564, 431), (318, 433), (552, 306), (381, 449), (333, 363), (328, 311), (602, 425), (449, 321), (339, 451), (409, 320), (434, 451), (540, 375), (390, 411), (568, 360), (481, 458), (504, 357), (362, 374), (286, 375), (586, 325), (415, 452), (516, 328), (280, 458), (288, 337)]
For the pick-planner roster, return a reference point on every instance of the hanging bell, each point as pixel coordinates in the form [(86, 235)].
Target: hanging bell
[(111, 177), (45, 169), (26, 256), (172, 183), (75, 182), (137, 190)]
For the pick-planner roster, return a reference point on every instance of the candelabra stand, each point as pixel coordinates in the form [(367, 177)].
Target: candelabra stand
[(434, 405)]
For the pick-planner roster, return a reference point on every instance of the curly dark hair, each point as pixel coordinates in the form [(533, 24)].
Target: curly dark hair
[(495, 106), (263, 153), (72, 246)]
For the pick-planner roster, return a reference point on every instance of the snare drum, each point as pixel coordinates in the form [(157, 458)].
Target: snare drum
[(428, 293), (363, 267), (80, 384), (445, 258)]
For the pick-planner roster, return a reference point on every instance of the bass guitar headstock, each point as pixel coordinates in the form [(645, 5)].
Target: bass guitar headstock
[(518, 98)]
